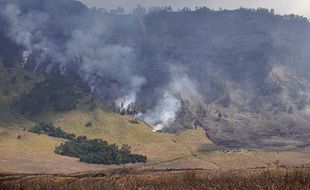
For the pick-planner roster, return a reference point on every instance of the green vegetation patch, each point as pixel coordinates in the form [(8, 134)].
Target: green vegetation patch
[(50, 130), (98, 151), (56, 93)]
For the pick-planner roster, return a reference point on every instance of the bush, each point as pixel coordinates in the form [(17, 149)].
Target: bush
[(88, 124), (50, 130), (98, 151)]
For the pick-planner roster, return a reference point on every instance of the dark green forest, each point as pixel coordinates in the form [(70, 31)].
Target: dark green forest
[(98, 151), (56, 93), (50, 130)]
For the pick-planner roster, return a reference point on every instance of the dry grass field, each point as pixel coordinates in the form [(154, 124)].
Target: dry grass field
[(33, 153), (129, 179)]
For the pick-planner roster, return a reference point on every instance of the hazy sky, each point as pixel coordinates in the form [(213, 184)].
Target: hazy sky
[(301, 7)]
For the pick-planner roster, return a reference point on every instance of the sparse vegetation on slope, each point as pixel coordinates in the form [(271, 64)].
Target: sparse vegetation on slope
[(14, 82)]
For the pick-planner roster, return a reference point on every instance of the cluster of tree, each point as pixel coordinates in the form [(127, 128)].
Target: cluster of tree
[(56, 93), (98, 151), (50, 130)]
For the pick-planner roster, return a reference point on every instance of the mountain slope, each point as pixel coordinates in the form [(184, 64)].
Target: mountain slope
[(35, 153), (25, 152), (242, 75)]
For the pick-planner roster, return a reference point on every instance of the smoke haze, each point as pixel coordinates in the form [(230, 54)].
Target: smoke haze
[(239, 74)]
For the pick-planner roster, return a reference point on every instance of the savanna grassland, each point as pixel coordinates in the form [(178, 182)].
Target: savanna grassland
[(259, 178)]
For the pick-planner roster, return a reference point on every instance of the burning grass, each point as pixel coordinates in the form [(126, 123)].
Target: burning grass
[(264, 178)]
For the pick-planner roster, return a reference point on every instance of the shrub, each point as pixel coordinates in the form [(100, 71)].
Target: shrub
[(88, 124)]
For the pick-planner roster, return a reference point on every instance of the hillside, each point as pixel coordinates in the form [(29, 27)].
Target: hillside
[(33, 153), (225, 89), (242, 75)]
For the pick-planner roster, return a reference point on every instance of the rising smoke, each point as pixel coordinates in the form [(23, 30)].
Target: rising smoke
[(217, 68), (26, 30), (165, 112), (181, 88), (95, 59)]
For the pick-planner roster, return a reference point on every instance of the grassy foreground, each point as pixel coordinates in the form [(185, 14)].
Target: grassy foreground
[(272, 179)]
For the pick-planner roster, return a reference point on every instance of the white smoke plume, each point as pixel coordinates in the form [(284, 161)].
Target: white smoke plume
[(85, 48), (166, 111), (131, 97), (182, 84), (100, 59), (88, 51), (25, 30)]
